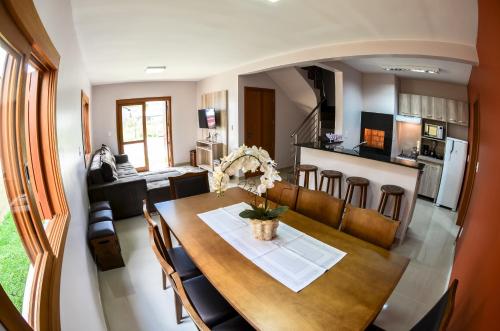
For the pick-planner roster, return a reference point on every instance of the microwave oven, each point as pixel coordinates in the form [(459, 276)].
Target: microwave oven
[(434, 131)]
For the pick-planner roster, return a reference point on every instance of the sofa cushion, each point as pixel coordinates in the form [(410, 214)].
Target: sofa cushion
[(101, 229), (160, 175), (100, 205), (100, 216), (126, 172), (108, 167)]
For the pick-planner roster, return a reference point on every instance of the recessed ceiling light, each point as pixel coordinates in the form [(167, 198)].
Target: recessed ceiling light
[(418, 69), (273, 1), (155, 69)]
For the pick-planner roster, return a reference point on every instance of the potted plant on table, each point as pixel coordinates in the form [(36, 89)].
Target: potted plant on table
[(263, 219)]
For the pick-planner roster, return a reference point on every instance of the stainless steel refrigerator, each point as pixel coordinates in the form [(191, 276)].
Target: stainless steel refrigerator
[(455, 159)]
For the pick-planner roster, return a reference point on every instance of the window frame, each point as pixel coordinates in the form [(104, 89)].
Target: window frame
[(23, 31)]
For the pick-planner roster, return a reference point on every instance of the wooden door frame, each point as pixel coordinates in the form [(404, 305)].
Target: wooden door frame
[(168, 117), (473, 157), (247, 118), (86, 132)]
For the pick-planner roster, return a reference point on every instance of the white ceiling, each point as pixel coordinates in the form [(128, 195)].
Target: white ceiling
[(452, 72), (199, 38)]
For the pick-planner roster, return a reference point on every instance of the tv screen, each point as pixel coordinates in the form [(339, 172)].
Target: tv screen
[(206, 118)]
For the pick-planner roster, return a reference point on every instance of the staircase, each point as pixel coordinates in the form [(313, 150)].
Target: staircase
[(319, 121), (327, 116)]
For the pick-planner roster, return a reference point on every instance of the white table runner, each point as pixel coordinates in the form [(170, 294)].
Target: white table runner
[(293, 258)]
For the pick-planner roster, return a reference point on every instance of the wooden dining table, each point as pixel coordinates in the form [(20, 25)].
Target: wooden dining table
[(348, 296)]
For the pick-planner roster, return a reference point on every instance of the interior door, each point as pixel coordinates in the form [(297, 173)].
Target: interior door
[(131, 128), (260, 118)]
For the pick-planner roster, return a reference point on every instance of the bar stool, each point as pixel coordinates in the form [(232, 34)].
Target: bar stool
[(307, 169), (331, 176), (397, 192), (362, 183)]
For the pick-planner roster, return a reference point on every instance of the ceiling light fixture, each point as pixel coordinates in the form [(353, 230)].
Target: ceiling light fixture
[(418, 69), (273, 1), (155, 69)]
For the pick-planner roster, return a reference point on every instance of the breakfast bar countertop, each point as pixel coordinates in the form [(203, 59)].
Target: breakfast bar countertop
[(336, 148)]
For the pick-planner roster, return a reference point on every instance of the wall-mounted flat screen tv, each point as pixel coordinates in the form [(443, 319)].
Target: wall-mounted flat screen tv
[(206, 118)]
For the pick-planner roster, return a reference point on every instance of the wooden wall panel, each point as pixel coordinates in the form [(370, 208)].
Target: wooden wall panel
[(217, 100)]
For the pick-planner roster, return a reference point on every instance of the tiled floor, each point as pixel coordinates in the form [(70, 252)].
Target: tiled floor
[(133, 299)]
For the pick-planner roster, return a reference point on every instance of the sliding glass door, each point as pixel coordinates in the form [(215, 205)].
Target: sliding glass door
[(133, 143), (144, 132)]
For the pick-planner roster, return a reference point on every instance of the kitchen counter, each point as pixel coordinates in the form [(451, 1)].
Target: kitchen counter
[(385, 171), (424, 158), (335, 148)]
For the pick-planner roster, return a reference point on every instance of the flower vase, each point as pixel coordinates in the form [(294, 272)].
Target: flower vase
[(264, 230)]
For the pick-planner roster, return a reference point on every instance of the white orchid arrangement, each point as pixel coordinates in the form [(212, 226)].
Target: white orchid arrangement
[(250, 159)]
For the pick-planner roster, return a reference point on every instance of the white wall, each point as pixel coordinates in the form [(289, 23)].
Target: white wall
[(184, 113), (294, 83), (287, 117), (81, 307), (379, 93), (350, 103)]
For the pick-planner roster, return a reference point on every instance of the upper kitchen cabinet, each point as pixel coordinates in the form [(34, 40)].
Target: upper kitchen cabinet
[(427, 108), (463, 113), (404, 104), (451, 111), (439, 109), (415, 105), (457, 112)]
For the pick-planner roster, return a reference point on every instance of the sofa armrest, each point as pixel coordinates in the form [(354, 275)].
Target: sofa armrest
[(121, 158), (124, 195)]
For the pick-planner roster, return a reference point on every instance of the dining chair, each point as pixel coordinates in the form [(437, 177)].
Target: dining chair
[(189, 184), (369, 226), (436, 319), (320, 206), (204, 304), (177, 256), (284, 193)]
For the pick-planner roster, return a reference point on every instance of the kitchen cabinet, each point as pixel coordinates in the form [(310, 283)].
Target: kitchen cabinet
[(451, 111), (457, 112), (404, 104), (462, 113), (439, 109), (427, 107), (415, 105), (430, 179)]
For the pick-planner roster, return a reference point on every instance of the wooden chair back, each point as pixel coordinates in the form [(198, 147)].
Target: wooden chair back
[(189, 184), (284, 193), (157, 237), (320, 206), (370, 226), (175, 280), (439, 316)]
